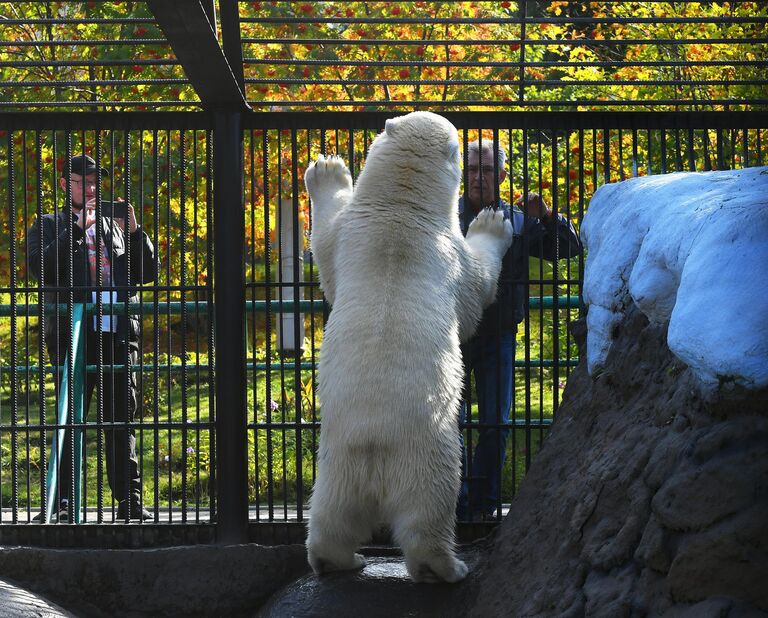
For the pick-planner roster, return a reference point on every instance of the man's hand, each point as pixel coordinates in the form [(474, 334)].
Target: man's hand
[(535, 206), (132, 225), (86, 216)]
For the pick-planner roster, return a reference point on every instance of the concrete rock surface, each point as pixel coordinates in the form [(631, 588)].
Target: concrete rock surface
[(646, 499), (16, 602), (382, 589), (200, 580)]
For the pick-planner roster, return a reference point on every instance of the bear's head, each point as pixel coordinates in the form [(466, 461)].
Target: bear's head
[(415, 158)]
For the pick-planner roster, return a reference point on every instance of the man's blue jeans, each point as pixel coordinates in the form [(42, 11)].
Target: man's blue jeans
[(492, 362)]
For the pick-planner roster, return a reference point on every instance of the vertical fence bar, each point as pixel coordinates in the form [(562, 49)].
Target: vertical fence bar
[(744, 147), (705, 146), (649, 153), (43, 436), (169, 296), (125, 360), (14, 348), (691, 156), (268, 409), (523, 11), (27, 403), (719, 146), (210, 331), (635, 164), (514, 409), (280, 333), (251, 324), (139, 212), (621, 155), (555, 278), (196, 298), (229, 235), (313, 292), (297, 276), (184, 320), (156, 320)]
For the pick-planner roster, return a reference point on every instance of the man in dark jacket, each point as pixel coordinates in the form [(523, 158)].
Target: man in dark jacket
[(71, 252), (490, 354)]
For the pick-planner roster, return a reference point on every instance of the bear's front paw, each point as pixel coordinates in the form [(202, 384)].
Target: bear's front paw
[(326, 177), (492, 223)]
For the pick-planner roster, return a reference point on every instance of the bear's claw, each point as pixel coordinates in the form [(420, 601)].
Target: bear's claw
[(327, 176), (489, 221)]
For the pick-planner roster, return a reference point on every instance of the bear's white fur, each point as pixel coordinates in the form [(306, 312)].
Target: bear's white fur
[(405, 288)]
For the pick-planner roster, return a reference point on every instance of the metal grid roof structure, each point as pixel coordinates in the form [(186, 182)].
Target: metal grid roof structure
[(342, 55)]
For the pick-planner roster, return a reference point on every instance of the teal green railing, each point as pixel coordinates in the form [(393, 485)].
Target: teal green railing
[(59, 436)]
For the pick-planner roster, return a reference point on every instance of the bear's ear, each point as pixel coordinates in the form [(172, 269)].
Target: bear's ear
[(390, 126)]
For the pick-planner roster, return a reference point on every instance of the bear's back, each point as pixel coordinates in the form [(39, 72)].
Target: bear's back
[(393, 321)]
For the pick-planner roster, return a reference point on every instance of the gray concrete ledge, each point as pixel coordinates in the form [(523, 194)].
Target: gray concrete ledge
[(202, 580)]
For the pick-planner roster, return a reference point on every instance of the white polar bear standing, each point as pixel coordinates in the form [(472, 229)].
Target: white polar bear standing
[(405, 288)]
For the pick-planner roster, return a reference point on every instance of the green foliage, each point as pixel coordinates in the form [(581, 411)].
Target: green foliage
[(451, 47)]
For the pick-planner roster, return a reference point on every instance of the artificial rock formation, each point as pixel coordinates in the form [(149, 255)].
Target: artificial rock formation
[(646, 499)]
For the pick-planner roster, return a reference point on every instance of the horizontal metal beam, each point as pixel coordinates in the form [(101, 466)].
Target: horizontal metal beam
[(193, 39), (517, 120), (105, 121), (63, 121)]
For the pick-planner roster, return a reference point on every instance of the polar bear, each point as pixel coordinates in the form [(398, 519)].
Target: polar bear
[(405, 288)]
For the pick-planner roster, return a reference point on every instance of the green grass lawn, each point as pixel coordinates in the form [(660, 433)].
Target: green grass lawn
[(180, 473)]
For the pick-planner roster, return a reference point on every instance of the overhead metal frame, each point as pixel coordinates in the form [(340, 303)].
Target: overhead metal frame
[(216, 76)]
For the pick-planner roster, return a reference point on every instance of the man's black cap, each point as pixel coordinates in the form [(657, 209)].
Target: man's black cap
[(83, 165)]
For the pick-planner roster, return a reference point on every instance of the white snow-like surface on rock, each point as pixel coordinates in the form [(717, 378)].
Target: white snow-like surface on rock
[(690, 249)]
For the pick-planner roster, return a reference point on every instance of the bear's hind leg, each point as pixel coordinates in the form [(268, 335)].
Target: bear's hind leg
[(427, 544), (334, 536)]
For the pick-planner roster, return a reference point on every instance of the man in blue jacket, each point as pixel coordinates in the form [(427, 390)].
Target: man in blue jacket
[(490, 354), (67, 248)]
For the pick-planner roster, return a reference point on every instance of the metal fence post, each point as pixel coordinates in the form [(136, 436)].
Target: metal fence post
[(229, 296)]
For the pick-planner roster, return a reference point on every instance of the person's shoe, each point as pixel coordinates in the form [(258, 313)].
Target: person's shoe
[(137, 512), (62, 516)]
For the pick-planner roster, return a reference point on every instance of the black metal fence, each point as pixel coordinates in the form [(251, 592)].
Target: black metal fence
[(227, 422)]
